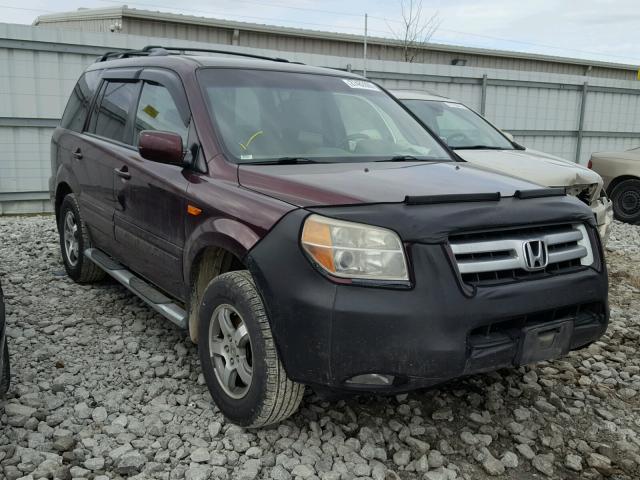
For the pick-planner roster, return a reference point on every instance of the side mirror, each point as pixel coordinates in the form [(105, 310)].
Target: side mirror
[(161, 147), (508, 135)]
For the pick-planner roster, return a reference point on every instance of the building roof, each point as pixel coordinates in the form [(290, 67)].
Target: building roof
[(126, 12)]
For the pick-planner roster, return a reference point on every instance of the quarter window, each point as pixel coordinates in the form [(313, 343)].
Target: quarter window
[(77, 108), (158, 111), (116, 104)]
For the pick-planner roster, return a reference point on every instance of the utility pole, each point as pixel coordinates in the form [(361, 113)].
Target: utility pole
[(364, 64)]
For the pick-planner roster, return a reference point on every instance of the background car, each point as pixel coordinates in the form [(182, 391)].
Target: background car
[(621, 174), (479, 142), (4, 351)]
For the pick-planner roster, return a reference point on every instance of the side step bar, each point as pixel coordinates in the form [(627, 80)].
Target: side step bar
[(149, 294)]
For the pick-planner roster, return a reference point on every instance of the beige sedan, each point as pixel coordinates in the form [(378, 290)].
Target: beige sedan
[(480, 143), (621, 174)]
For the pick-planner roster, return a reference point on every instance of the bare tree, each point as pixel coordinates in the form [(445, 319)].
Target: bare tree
[(416, 28)]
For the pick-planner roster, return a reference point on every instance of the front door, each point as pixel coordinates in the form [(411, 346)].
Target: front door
[(151, 197)]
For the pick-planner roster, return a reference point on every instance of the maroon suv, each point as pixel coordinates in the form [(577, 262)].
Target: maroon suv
[(308, 230)]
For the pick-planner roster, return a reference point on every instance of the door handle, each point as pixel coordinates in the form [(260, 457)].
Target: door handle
[(122, 173), (77, 153)]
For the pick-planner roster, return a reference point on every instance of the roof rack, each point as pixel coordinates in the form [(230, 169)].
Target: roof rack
[(156, 50)]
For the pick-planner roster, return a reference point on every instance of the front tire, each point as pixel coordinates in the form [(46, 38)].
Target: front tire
[(625, 197), (238, 355), (74, 240)]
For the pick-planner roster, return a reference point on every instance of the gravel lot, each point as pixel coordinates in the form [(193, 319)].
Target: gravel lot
[(105, 388)]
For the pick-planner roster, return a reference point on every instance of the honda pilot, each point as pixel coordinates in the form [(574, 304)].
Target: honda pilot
[(307, 230)]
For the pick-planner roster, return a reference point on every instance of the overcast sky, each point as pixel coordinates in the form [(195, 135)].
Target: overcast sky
[(596, 29)]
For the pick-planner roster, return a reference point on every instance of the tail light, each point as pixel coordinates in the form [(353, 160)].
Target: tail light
[(589, 164)]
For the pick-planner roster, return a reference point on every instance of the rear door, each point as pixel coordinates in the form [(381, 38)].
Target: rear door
[(106, 140), (72, 153), (151, 197)]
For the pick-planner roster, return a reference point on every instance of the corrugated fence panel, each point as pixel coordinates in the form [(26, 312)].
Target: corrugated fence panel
[(36, 84), (24, 159), (527, 108), (39, 66), (616, 112)]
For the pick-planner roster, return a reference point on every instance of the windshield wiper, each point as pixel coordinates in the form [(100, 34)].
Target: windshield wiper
[(405, 158), (477, 147), (284, 161)]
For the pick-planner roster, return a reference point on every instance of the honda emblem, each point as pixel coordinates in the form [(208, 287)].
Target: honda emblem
[(536, 256)]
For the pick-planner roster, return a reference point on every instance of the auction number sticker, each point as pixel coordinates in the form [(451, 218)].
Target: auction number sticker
[(363, 84)]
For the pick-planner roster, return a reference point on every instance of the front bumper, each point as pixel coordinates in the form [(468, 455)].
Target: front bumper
[(329, 333), (602, 209)]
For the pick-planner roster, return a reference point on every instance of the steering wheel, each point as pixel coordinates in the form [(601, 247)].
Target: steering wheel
[(456, 138), (352, 138)]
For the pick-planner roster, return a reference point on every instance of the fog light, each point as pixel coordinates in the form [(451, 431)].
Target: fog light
[(371, 379)]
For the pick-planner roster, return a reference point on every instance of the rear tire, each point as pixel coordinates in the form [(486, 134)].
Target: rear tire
[(74, 240), (238, 354), (625, 197)]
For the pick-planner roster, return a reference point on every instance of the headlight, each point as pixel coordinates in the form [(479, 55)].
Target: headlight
[(353, 250)]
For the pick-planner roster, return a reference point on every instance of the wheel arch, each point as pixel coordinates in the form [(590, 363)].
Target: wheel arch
[(212, 251), (62, 190)]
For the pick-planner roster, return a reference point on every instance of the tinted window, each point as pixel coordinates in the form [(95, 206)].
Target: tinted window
[(80, 100), (116, 104), (158, 111)]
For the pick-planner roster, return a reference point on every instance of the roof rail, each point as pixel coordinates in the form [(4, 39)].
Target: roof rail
[(157, 50)]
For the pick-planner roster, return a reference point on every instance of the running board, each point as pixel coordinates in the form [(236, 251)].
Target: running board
[(147, 293)]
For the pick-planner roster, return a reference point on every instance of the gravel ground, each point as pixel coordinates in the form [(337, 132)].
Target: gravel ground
[(104, 388)]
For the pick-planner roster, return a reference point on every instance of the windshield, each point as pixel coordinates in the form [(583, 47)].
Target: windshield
[(267, 116), (458, 126)]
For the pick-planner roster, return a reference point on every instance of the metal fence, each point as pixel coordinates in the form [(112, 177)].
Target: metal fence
[(566, 115)]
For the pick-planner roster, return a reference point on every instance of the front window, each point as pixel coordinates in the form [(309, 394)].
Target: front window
[(158, 111), (458, 126), (267, 116)]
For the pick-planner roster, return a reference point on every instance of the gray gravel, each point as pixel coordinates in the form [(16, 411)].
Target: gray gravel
[(104, 388)]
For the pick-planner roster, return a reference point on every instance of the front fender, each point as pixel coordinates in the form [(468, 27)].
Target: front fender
[(231, 235)]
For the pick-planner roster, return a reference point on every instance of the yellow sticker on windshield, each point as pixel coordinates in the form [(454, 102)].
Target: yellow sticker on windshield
[(149, 110)]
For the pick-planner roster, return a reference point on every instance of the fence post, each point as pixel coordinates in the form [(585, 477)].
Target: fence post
[(583, 103), (483, 99)]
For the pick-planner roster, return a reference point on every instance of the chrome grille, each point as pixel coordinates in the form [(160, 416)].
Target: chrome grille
[(502, 256)]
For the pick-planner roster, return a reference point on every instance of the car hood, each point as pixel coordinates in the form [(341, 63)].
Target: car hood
[(354, 183), (533, 166)]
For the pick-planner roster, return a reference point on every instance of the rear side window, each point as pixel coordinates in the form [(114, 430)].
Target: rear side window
[(80, 100), (113, 112), (158, 111)]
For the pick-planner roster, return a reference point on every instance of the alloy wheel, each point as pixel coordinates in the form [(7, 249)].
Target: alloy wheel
[(230, 349), (71, 243)]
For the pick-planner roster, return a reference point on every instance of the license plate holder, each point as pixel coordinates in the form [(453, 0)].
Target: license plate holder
[(546, 341)]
